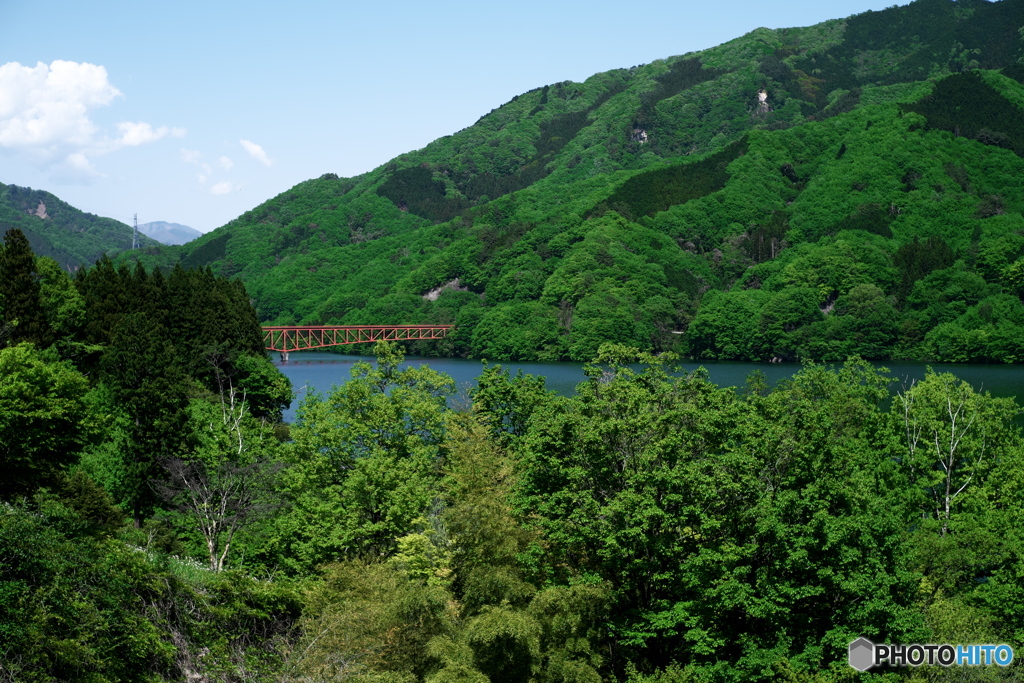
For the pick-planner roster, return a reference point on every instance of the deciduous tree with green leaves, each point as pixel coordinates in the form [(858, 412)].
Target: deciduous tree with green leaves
[(365, 461), (44, 419), (954, 438), (226, 484)]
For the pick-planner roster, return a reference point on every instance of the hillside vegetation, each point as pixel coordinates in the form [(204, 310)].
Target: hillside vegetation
[(159, 523), (59, 231), (871, 206)]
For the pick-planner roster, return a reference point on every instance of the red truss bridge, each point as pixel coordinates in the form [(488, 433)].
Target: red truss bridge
[(287, 338)]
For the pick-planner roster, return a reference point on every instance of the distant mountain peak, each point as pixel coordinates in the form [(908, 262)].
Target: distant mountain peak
[(169, 233)]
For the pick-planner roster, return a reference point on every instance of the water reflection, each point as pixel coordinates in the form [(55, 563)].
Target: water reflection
[(319, 371)]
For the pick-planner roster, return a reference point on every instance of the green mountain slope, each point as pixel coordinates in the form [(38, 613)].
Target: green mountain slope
[(870, 204), (56, 229)]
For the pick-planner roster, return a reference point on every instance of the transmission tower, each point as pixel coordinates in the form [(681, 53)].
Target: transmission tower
[(135, 233)]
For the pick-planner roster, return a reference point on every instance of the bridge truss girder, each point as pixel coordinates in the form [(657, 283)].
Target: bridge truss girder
[(288, 338)]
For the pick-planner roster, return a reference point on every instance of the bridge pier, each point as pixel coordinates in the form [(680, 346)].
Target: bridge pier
[(284, 356)]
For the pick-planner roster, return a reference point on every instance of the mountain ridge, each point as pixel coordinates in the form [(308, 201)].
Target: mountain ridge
[(60, 231), (537, 208)]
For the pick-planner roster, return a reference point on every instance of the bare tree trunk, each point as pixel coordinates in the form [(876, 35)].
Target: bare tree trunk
[(227, 493), (946, 438)]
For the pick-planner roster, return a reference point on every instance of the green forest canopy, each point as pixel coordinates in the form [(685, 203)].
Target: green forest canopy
[(873, 207), (652, 528), (158, 523)]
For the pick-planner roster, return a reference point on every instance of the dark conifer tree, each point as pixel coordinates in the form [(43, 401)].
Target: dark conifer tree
[(148, 294), (245, 324), (105, 300), (179, 294), (186, 293), (19, 292), (141, 367)]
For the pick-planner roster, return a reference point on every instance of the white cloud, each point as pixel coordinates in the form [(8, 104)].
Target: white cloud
[(45, 114), (46, 106), (80, 163), (195, 157), (256, 152), (76, 169), (138, 133), (206, 171)]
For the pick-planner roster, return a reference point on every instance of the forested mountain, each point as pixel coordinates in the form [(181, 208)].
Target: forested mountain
[(851, 187), (169, 233), (58, 230), (158, 522)]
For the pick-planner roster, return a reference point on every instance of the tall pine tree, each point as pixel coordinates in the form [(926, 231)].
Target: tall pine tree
[(105, 300), (19, 292), (140, 367)]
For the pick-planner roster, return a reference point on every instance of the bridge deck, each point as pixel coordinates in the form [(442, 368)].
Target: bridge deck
[(286, 338)]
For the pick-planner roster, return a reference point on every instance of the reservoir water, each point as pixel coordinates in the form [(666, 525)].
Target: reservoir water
[(320, 370)]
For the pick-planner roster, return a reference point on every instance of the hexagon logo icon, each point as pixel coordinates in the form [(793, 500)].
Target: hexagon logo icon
[(862, 654)]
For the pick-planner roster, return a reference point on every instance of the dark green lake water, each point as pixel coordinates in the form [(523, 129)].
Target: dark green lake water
[(319, 371)]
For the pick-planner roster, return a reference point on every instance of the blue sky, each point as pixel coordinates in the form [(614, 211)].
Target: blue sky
[(195, 112)]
